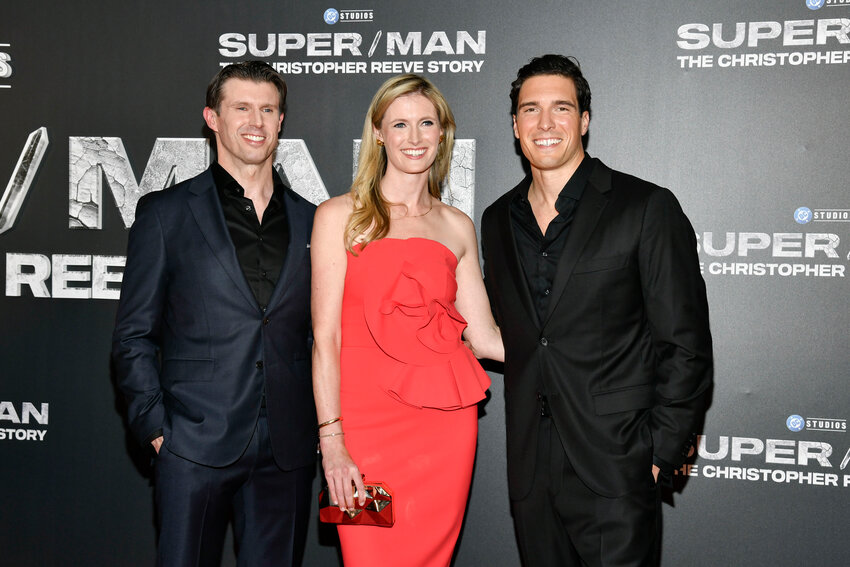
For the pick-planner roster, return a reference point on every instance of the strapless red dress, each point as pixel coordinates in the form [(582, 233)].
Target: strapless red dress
[(409, 389)]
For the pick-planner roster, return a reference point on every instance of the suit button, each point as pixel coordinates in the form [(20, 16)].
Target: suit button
[(266, 321), (260, 364), (544, 341)]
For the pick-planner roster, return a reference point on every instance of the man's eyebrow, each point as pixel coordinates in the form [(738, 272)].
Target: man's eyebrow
[(248, 103), (555, 103)]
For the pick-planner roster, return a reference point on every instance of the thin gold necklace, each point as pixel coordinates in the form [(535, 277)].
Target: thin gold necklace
[(421, 214), (407, 216)]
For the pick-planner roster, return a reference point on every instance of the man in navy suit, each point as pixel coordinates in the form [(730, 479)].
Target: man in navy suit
[(212, 340), (595, 282)]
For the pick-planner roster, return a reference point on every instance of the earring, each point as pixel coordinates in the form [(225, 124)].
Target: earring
[(442, 138), (380, 143)]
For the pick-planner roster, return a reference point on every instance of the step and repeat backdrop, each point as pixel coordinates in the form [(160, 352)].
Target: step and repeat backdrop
[(740, 108)]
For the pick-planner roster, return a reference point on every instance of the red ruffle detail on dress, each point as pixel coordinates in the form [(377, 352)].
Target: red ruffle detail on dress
[(414, 321)]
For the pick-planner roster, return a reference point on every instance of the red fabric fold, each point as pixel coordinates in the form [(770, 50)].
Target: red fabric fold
[(414, 321)]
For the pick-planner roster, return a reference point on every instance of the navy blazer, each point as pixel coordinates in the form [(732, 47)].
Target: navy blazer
[(192, 348), (624, 351)]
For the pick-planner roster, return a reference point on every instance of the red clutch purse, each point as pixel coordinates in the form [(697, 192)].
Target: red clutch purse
[(377, 511)]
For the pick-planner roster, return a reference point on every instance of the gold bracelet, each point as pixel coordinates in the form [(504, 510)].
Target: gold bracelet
[(330, 421), (332, 434)]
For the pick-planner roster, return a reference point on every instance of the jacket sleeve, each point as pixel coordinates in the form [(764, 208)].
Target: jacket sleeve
[(677, 313), (136, 339)]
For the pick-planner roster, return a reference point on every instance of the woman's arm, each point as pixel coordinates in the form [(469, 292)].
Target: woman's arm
[(328, 259), (482, 334)]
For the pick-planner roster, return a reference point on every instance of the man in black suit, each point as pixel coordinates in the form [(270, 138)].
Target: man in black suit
[(595, 283), (212, 340)]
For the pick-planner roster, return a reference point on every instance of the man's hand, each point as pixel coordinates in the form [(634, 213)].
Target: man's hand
[(655, 469), (157, 443)]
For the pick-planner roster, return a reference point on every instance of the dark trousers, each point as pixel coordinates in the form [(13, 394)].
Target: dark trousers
[(562, 523), (270, 508)]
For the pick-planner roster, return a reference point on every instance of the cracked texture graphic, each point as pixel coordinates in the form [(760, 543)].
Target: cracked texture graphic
[(295, 165), (460, 190), (22, 177), (95, 159)]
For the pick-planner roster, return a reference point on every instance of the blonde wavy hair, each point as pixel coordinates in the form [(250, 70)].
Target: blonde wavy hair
[(370, 218)]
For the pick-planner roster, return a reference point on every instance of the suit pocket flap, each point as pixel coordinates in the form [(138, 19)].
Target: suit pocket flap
[(627, 399), (188, 370), (601, 264)]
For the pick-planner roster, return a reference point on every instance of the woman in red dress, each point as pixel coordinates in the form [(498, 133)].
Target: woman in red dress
[(396, 283)]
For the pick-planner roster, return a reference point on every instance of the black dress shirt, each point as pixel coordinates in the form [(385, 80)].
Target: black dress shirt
[(260, 247), (540, 253)]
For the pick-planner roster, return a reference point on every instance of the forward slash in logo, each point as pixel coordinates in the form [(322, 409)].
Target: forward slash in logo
[(375, 42), (22, 176)]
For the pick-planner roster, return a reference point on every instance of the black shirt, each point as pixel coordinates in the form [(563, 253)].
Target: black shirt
[(260, 247), (540, 253)]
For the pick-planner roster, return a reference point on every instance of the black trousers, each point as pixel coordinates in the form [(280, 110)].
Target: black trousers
[(270, 508), (562, 523)]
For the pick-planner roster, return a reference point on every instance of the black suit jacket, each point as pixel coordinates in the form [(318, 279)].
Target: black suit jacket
[(624, 351), (192, 348)]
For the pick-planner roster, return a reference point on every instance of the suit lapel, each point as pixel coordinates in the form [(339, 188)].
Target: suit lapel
[(298, 226), (590, 207), (507, 241), (206, 209)]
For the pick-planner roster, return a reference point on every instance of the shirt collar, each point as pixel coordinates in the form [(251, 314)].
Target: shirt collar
[(575, 186), (573, 189), (228, 186)]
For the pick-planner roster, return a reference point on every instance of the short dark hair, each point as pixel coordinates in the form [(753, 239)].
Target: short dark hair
[(553, 65), (257, 71)]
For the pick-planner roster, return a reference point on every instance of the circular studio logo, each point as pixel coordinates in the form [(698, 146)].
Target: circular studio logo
[(814, 4), (795, 423), (332, 16), (803, 215)]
